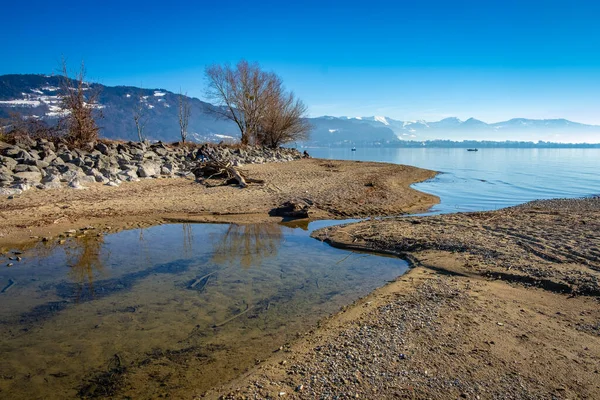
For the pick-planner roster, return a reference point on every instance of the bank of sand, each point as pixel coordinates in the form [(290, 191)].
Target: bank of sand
[(499, 305), (337, 189)]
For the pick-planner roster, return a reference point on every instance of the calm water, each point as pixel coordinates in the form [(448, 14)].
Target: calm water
[(169, 309), (491, 178), (176, 309)]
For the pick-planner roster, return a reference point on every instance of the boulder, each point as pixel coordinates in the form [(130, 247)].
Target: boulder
[(6, 177), (26, 168), (87, 179), (50, 185), (28, 176), (10, 191), (103, 148), (66, 156), (75, 184), (148, 169), (69, 176), (8, 162)]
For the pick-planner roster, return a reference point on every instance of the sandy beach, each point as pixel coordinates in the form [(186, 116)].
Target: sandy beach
[(337, 189), (500, 304)]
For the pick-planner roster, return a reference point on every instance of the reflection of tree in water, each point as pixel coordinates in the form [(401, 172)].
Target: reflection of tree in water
[(83, 256), (188, 239), (247, 244)]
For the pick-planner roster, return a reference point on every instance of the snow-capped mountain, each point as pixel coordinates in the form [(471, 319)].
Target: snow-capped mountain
[(517, 129), (38, 96)]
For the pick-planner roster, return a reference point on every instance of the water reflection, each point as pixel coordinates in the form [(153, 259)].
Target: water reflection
[(247, 245), (296, 224), (84, 258), (172, 302), (188, 239)]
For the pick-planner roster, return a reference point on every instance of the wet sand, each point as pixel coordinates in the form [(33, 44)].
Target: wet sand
[(500, 304), (338, 189)]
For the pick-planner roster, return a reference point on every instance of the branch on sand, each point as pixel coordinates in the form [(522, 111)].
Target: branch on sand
[(223, 170)]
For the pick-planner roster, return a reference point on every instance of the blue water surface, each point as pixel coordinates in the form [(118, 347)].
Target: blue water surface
[(490, 178)]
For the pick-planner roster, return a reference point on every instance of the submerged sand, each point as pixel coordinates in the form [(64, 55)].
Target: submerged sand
[(500, 304)]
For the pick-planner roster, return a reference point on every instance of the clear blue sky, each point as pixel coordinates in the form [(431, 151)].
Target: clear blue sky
[(415, 59)]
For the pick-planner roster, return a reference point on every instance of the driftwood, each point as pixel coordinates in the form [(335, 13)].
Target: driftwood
[(248, 308), (223, 170), (297, 208)]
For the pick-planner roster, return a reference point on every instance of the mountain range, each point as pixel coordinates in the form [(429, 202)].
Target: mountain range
[(38, 96)]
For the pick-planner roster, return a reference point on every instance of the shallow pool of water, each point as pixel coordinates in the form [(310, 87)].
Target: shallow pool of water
[(172, 309)]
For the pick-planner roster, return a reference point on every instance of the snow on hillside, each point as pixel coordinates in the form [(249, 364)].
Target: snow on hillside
[(381, 119)]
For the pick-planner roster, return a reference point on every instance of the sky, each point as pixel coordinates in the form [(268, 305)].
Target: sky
[(408, 60)]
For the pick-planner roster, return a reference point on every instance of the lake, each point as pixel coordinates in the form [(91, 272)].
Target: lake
[(490, 178)]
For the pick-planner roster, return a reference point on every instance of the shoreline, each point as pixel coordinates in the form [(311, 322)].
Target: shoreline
[(497, 304), (337, 189)]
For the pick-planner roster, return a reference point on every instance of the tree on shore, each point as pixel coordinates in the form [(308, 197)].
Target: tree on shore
[(140, 115), (256, 102), (184, 115), (284, 120), (79, 102)]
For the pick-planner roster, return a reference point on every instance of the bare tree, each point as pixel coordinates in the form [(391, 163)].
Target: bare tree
[(79, 100), (284, 119), (257, 102), (140, 115), (184, 115), (19, 128), (239, 95)]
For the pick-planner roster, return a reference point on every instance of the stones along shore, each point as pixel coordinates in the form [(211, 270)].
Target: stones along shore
[(42, 164)]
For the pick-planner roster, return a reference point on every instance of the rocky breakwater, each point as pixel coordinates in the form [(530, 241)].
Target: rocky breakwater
[(44, 165)]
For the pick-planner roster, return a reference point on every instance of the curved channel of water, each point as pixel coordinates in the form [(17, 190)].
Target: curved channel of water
[(172, 309)]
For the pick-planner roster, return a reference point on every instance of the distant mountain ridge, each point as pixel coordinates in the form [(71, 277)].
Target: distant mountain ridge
[(37, 95), (516, 129)]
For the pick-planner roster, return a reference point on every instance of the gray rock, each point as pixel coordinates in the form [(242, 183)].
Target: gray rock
[(127, 174), (28, 176), (148, 169), (57, 161), (40, 164), (10, 191), (77, 161), (11, 151), (26, 168), (51, 178), (161, 151), (50, 185), (75, 184), (113, 183), (5, 177), (23, 186), (66, 157), (87, 179), (108, 171), (102, 148), (70, 176), (8, 162)]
